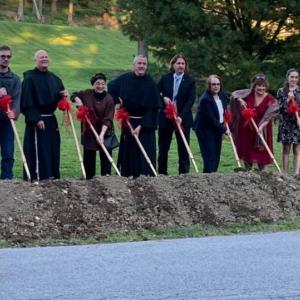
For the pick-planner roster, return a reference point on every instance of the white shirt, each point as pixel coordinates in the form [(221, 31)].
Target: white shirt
[(220, 109)]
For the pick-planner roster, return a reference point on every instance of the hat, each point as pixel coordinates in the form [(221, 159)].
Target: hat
[(96, 77)]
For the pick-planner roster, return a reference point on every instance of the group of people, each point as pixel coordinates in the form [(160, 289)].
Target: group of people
[(145, 102), (252, 113)]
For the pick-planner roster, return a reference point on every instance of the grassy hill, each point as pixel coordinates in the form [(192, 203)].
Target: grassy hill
[(75, 52)]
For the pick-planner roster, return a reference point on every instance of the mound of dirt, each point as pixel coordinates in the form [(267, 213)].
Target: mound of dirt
[(64, 209)]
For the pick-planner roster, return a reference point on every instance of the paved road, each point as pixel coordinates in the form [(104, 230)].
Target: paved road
[(258, 266)]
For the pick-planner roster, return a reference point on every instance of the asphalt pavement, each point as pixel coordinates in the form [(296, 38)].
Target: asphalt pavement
[(255, 266)]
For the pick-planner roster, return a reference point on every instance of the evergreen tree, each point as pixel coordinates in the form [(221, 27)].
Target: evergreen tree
[(233, 38)]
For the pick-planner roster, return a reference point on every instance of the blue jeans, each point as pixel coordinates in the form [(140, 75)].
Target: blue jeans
[(7, 149)]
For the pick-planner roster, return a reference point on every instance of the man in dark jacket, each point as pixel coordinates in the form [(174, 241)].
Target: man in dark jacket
[(178, 87), (10, 84)]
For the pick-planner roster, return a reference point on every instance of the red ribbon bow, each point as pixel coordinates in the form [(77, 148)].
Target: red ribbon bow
[(227, 116), (5, 103), (82, 113), (122, 116), (64, 104), (293, 107), (171, 111), (249, 113)]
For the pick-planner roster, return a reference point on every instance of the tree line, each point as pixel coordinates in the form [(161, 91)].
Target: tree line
[(43, 9), (232, 38)]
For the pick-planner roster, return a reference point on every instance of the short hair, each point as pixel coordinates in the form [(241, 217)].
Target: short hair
[(5, 48), (208, 81), (259, 79), (36, 54), (96, 77), (139, 56), (174, 60)]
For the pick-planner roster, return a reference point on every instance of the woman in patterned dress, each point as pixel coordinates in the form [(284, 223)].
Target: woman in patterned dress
[(289, 126)]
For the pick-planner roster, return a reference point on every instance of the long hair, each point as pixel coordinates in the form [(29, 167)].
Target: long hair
[(174, 60), (286, 86)]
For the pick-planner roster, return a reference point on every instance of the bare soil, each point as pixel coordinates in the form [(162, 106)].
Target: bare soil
[(64, 209)]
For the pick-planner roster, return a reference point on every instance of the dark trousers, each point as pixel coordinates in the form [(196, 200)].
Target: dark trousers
[(164, 141), (210, 148), (7, 149), (89, 161)]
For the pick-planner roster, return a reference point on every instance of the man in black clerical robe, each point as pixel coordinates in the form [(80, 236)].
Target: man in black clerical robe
[(41, 90), (139, 95)]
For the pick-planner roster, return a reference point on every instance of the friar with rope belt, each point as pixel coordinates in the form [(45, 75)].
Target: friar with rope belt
[(41, 91)]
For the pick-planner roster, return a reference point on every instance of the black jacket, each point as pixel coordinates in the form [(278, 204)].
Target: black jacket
[(207, 118), (184, 100)]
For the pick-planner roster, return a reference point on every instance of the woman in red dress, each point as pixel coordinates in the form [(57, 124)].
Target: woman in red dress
[(249, 146)]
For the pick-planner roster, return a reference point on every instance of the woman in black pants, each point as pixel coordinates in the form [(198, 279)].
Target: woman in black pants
[(101, 110), (209, 125)]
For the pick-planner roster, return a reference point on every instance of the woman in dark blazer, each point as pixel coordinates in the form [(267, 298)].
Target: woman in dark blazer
[(209, 125)]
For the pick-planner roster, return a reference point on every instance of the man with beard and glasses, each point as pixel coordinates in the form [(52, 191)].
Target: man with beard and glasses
[(10, 84)]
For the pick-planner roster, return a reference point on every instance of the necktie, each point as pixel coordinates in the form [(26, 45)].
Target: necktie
[(176, 87)]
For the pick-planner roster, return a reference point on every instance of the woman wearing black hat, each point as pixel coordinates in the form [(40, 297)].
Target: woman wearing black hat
[(101, 111)]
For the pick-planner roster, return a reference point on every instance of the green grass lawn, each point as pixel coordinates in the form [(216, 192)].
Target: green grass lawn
[(76, 53)]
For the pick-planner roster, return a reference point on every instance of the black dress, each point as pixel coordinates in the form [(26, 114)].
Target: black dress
[(140, 97), (40, 94)]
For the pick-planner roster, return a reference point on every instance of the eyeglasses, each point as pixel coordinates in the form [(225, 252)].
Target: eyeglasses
[(5, 56), (215, 84)]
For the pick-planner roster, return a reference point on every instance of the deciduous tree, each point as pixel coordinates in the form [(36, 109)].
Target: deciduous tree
[(233, 38), (20, 15)]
